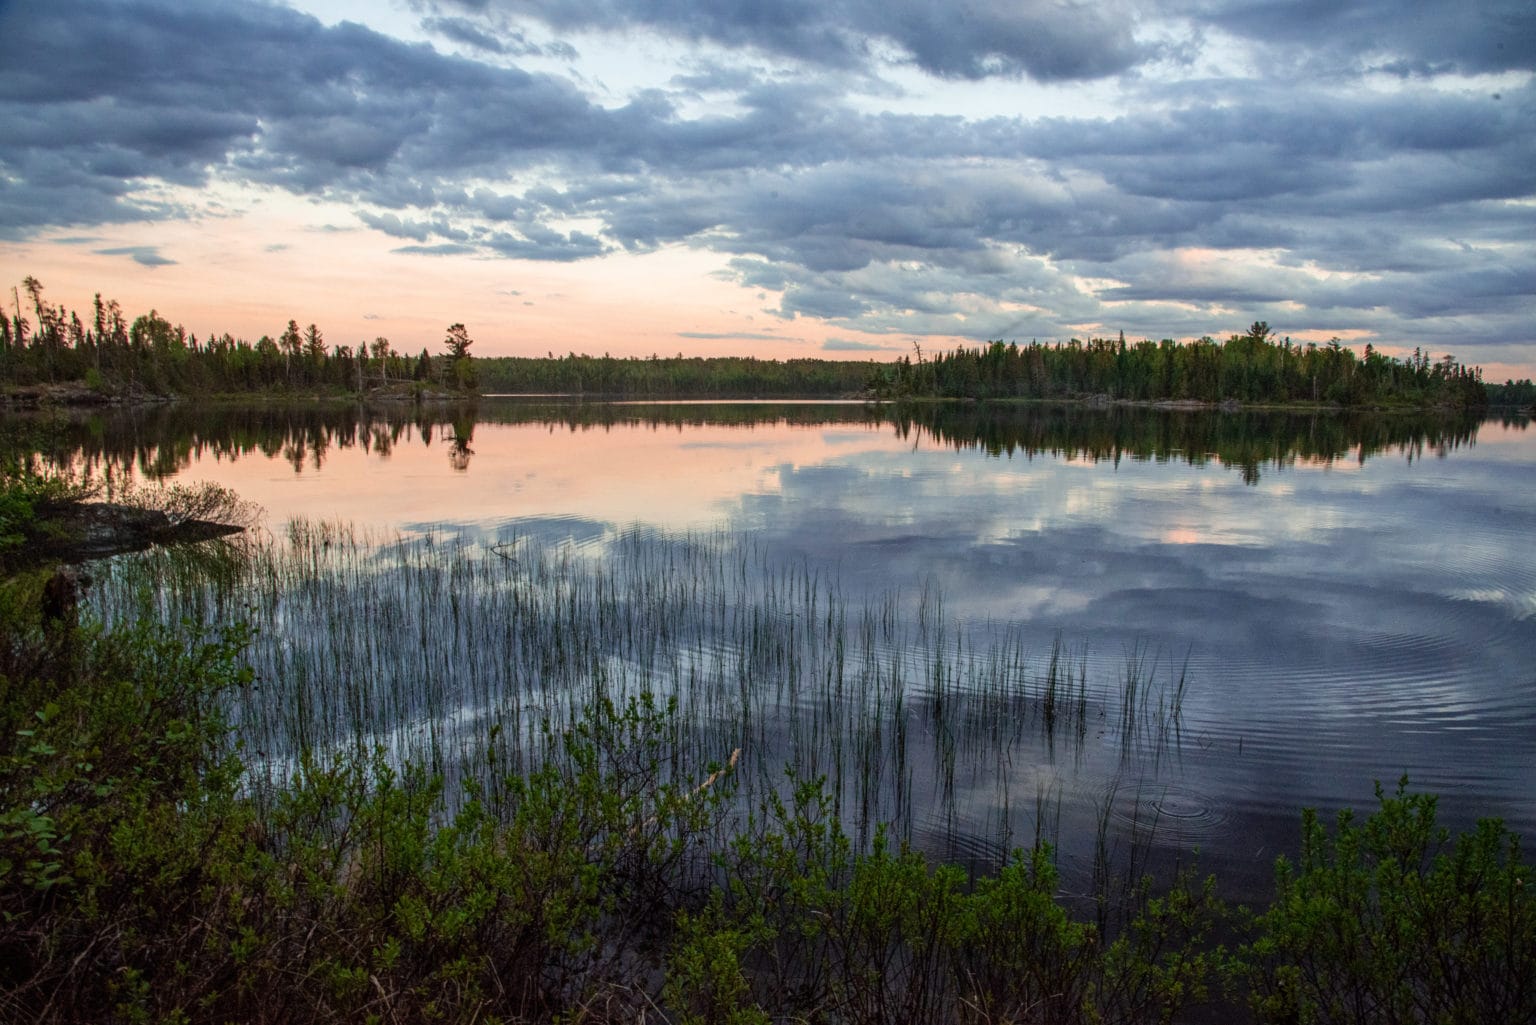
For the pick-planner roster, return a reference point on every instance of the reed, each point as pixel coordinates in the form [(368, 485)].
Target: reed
[(465, 653)]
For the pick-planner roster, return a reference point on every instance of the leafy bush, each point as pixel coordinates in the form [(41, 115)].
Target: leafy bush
[(1391, 921), (27, 494), (115, 782), (206, 501), (805, 928)]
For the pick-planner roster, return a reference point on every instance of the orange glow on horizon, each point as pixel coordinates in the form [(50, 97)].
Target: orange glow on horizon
[(251, 272), (251, 278)]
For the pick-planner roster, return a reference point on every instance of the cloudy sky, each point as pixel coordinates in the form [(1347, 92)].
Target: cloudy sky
[(781, 177)]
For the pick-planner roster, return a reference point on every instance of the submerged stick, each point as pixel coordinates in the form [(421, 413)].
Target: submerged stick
[(714, 777), (730, 766)]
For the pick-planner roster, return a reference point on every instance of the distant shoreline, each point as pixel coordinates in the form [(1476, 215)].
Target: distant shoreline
[(76, 395)]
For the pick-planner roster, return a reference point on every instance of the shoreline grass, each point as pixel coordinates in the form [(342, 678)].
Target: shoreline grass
[(426, 646)]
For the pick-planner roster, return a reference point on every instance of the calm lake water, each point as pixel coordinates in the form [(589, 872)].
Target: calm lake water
[(1344, 600)]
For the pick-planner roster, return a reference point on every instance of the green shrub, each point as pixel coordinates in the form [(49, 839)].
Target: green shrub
[(27, 495), (1391, 921), (1024, 959), (117, 792), (807, 928)]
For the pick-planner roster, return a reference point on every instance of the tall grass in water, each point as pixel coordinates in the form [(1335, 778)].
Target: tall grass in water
[(466, 656)]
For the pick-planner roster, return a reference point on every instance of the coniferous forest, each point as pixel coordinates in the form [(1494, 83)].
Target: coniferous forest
[(109, 355), (1252, 367), (148, 355)]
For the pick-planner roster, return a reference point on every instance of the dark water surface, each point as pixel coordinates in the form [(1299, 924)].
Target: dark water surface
[(1346, 599)]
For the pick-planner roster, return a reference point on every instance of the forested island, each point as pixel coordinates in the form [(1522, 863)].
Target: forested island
[(55, 354)]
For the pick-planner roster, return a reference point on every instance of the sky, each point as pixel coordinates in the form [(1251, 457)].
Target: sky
[(781, 178)]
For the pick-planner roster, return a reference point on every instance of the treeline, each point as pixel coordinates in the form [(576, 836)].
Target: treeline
[(1513, 394), (1251, 367), (675, 376), (109, 354)]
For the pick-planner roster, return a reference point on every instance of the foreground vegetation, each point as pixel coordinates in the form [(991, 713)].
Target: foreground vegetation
[(142, 880), (161, 859)]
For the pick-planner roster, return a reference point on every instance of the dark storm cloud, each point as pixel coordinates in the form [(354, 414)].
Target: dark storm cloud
[(507, 42), (1423, 38), (125, 92), (461, 30), (1309, 143), (1399, 211), (972, 39)]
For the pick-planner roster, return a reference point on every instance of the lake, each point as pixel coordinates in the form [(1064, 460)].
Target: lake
[(986, 624)]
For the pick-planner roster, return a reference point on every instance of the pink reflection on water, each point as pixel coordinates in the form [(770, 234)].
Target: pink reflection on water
[(675, 477)]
